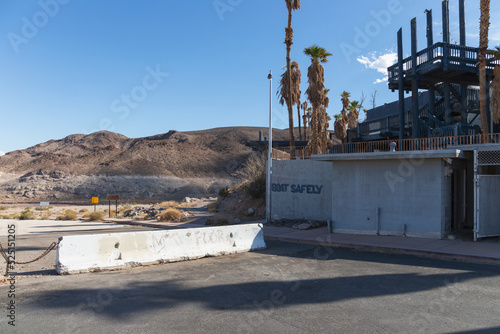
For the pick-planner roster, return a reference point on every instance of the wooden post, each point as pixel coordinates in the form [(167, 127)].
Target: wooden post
[(446, 33), (462, 22), (430, 30), (463, 42), (447, 103), (432, 101), (401, 86), (109, 212), (414, 82)]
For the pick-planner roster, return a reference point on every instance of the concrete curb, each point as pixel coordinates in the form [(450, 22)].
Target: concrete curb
[(393, 250)]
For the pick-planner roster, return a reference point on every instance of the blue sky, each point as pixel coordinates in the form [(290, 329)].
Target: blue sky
[(144, 67)]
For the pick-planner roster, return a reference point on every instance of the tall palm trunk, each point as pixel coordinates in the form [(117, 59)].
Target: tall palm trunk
[(298, 117), (483, 46), (289, 42)]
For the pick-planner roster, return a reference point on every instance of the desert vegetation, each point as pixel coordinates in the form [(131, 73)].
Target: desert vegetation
[(68, 215), (171, 214)]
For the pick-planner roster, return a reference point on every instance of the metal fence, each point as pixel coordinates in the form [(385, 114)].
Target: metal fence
[(420, 144)]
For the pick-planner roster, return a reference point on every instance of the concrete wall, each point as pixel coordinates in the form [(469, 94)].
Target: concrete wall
[(83, 253), (405, 191), (301, 189)]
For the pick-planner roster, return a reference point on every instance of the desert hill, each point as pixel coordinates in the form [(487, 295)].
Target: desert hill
[(79, 166)]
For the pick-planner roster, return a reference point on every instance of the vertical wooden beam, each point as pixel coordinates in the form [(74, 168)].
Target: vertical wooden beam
[(464, 102), (446, 41), (462, 22), (463, 42), (430, 35), (446, 22), (447, 103), (430, 32), (430, 42), (401, 86), (432, 101), (446, 33), (414, 81)]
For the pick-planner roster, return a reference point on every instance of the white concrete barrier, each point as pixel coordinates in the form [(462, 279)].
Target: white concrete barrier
[(84, 253)]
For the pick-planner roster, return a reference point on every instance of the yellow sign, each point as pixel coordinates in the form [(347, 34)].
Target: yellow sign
[(95, 200)]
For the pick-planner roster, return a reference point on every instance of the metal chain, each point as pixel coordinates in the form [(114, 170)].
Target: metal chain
[(51, 247)]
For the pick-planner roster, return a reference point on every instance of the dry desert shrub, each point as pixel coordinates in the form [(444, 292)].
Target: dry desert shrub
[(212, 207), (219, 220), (26, 214), (68, 215), (187, 205), (83, 210), (94, 216), (169, 204), (254, 173), (171, 214)]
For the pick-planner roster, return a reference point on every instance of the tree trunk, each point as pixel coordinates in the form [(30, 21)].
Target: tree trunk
[(483, 46), (288, 41), (298, 114), (483, 96)]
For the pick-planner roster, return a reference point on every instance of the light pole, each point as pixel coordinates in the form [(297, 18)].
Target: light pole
[(270, 150)]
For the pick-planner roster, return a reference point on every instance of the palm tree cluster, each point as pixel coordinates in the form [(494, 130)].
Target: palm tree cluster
[(291, 5), (341, 120), (348, 117), (315, 118)]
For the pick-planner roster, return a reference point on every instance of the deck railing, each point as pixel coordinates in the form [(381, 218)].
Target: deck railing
[(446, 54), (404, 145), (420, 144)]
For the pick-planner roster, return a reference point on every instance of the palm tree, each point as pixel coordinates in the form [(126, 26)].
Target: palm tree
[(341, 120), (352, 117), (296, 88), (316, 95), (304, 107), (339, 127), (483, 47), (344, 97), (291, 5), (284, 89), (495, 88)]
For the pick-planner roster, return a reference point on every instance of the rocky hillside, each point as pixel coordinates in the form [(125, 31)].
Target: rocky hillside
[(170, 165)]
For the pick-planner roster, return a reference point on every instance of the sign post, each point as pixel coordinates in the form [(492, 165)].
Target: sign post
[(113, 198), (95, 201)]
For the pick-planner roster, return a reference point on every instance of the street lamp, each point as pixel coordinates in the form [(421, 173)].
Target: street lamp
[(270, 150)]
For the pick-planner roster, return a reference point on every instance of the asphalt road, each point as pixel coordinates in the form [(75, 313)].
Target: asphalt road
[(288, 288)]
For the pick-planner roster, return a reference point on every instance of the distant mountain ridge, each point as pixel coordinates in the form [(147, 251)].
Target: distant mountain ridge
[(208, 154)]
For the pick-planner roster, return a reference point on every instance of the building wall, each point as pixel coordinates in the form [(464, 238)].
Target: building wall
[(301, 189), (391, 192)]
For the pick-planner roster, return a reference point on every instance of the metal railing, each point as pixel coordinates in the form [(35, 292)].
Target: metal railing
[(420, 144), (446, 54)]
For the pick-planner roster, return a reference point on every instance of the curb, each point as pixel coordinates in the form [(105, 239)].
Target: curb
[(390, 250)]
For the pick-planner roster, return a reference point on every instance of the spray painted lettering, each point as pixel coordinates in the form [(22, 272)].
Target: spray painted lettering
[(311, 189)]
